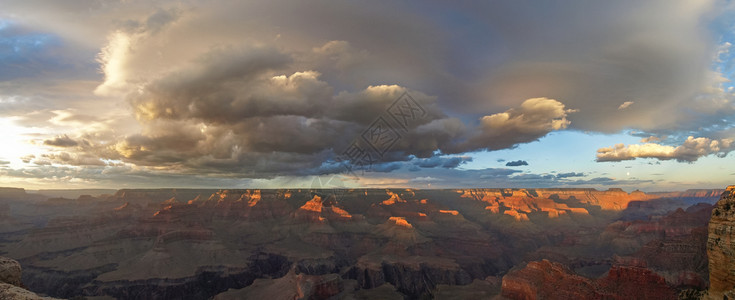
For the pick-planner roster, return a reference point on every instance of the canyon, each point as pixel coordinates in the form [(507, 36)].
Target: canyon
[(370, 243)]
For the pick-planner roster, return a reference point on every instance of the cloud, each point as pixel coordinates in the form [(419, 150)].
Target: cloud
[(442, 161), (386, 167), (244, 89), (570, 174), (66, 158), (516, 163), (653, 139), (233, 111), (608, 181), (645, 57), (585, 55), (535, 118), (225, 85), (425, 179), (689, 151), (625, 105), (61, 141), (117, 58)]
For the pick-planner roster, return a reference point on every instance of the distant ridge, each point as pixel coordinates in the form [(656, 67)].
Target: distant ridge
[(72, 193)]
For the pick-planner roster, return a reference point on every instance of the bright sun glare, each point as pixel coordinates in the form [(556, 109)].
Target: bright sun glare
[(16, 142)]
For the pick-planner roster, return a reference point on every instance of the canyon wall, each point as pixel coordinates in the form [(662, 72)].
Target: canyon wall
[(361, 243), (721, 247)]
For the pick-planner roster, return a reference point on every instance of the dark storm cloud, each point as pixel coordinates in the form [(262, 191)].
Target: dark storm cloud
[(233, 109), (516, 163), (216, 90)]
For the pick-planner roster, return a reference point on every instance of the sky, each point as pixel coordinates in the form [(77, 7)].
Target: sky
[(422, 94)]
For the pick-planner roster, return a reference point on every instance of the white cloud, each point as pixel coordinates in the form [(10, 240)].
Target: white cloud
[(689, 151), (625, 105), (113, 59)]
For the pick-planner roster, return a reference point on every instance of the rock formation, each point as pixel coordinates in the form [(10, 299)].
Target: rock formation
[(9, 271), (721, 247), (10, 284), (551, 280), (519, 203)]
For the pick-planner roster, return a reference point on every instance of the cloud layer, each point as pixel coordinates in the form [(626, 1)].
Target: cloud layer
[(268, 89), (691, 150)]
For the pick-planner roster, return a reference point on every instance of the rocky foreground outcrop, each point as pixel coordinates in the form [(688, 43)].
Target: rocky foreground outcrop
[(10, 285), (721, 247)]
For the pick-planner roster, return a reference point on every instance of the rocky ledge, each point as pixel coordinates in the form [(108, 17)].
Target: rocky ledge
[(10, 285)]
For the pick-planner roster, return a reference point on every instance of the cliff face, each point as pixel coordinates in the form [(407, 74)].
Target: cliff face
[(9, 271), (10, 285), (721, 247)]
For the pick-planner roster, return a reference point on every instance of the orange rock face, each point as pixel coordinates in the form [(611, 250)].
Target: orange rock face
[(721, 247), (394, 198), (401, 221), (521, 202), (517, 215), (321, 210), (315, 204), (451, 212)]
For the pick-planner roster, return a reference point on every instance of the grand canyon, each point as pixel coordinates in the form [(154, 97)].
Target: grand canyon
[(333, 149), (367, 244)]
